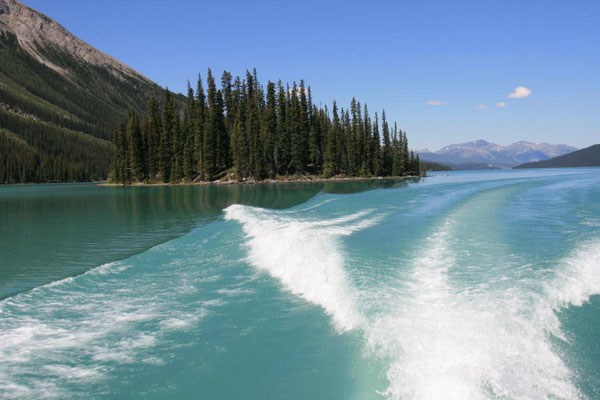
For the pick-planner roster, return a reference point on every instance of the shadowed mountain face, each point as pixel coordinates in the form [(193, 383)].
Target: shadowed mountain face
[(588, 157), (60, 100), (481, 152)]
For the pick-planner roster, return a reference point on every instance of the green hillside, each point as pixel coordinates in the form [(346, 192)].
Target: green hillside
[(58, 111), (588, 157)]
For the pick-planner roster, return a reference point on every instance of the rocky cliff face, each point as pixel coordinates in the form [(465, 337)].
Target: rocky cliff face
[(34, 30)]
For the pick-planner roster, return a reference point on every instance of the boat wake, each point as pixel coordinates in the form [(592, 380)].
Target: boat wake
[(305, 257), (439, 339)]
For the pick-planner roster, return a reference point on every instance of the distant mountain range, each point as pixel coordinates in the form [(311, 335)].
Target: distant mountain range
[(60, 100), (588, 157), (480, 154)]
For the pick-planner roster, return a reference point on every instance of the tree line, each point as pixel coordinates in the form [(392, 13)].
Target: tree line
[(242, 130)]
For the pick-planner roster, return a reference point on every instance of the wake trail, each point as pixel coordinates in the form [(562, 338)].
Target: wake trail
[(439, 340), (305, 256), (451, 343)]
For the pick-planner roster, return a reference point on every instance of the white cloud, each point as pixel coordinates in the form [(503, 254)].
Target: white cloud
[(435, 103), (481, 107), (520, 92), (501, 104)]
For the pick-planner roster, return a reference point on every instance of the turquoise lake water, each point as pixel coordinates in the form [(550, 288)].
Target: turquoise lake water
[(464, 285)]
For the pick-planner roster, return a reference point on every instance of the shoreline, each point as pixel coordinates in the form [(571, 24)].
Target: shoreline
[(282, 180)]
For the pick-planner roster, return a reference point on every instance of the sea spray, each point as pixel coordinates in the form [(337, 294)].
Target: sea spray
[(446, 342), (440, 341), (305, 256)]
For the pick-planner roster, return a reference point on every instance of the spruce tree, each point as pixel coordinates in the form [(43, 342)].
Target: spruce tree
[(269, 131), (199, 125), (170, 122), (136, 149), (396, 163), (377, 171), (404, 157), (330, 167), (387, 146), (189, 128), (209, 147), (154, 138), (282, 151)]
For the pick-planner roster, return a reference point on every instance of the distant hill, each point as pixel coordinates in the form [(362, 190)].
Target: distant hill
[(482, 154), (433, 166), (60, 100), (588, 157)]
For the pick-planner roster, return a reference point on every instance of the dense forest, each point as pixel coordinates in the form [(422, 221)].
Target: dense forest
[(242, 130), (58, 126), (435, 166)]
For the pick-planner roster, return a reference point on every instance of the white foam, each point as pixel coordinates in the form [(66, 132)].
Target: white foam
[(305, 256), (77, 330), (441, 341), (578, 278), (446, 343), (234, 292)]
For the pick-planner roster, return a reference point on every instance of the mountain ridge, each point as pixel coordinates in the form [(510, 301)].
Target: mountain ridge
[(33, 28), (60, 100), (587, 157), (493, 155)]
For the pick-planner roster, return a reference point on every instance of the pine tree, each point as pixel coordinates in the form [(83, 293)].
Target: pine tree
[(314, 140), (396, 163), (253, 128), (377, 161), (269, 131), (154, 138), (239, 137), (136, 149), (404, 157), (199, 125), (387, 146), (283, 150), (170, 122), (189, 128), (209, 147), (298, 124), (330, 159)]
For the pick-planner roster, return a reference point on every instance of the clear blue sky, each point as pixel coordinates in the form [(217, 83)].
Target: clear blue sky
[(397, 55)]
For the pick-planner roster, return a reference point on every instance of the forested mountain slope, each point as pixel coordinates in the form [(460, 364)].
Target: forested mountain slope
[(588, 157), (60, 100)]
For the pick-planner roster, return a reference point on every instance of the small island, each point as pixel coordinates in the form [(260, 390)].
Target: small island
[(242, 133)]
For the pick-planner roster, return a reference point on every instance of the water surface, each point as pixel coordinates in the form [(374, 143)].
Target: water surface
[(468, 285)]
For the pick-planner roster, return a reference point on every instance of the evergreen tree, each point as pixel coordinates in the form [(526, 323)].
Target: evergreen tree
[(170, 126), (199, 125), (330, 159), (154, 138), (259, 134), (396, 163), (189, 128), (269, 131), (387, 146), (404, 157), (136, 148), (210, 148), (377, 161), (283, 150)]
